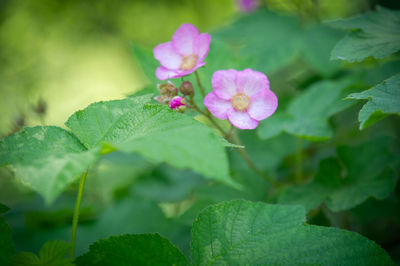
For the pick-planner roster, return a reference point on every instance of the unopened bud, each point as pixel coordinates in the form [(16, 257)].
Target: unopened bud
[(186, 88), (167, 89), (178, 103)]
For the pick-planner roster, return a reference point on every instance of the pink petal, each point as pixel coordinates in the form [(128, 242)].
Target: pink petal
[(224, 83), (241, 120), (202, 46), (251, 82), (262, 105), (183, 39), (167, 56), (218, 107), (163, 73)]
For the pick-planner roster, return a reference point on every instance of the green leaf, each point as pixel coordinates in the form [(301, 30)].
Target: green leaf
[(376, 34), (167, 184), (127, 216), (146, 249), (6, 242), (383, 100), (368, 174), (248, 233), (155, 132), (3, 208), (272, 41), (317, 44), (307, 114), (47, 159), (52, 253)]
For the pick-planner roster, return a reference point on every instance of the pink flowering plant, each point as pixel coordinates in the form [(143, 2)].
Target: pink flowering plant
[(203, 154), (243, 97)]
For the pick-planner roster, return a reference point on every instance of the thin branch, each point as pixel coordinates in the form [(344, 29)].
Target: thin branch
[(76, 214), (203, 93)]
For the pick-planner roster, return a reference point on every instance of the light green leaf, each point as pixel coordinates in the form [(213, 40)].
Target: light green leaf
[(145, 249), (383, 100), (248, 233), (47, 159), (155, 132), (307, 115), (368, 174), (52, 253), (377, 34), (6, 242)]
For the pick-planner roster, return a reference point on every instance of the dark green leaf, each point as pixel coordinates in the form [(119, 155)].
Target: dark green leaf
[(52, 253), (377, 34), (127, 216), (167, 184), (318, 42), (155, 132), (368, 174), (383, 99), (47, 159), (272, 41), (6, 242), (146, 249), (307, 115), (3, 208), (248, 233)]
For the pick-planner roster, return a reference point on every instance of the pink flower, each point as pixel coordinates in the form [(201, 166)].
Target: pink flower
[(183, 54), (247, 5), (178, 103), (243, 97)]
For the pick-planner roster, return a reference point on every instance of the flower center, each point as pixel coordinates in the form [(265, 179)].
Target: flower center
[(240, 101), (188, 62)]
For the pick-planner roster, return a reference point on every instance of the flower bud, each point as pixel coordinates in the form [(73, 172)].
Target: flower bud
[(167, 89), (186, 88), (178, 103)]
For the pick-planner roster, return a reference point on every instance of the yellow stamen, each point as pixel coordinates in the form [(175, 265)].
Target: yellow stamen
[(188, 62), (240, 101)]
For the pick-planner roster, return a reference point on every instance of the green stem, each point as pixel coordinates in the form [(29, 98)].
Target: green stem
[(208, 115), (299, 161), (234, 138), (76, 214), (203, 93)]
